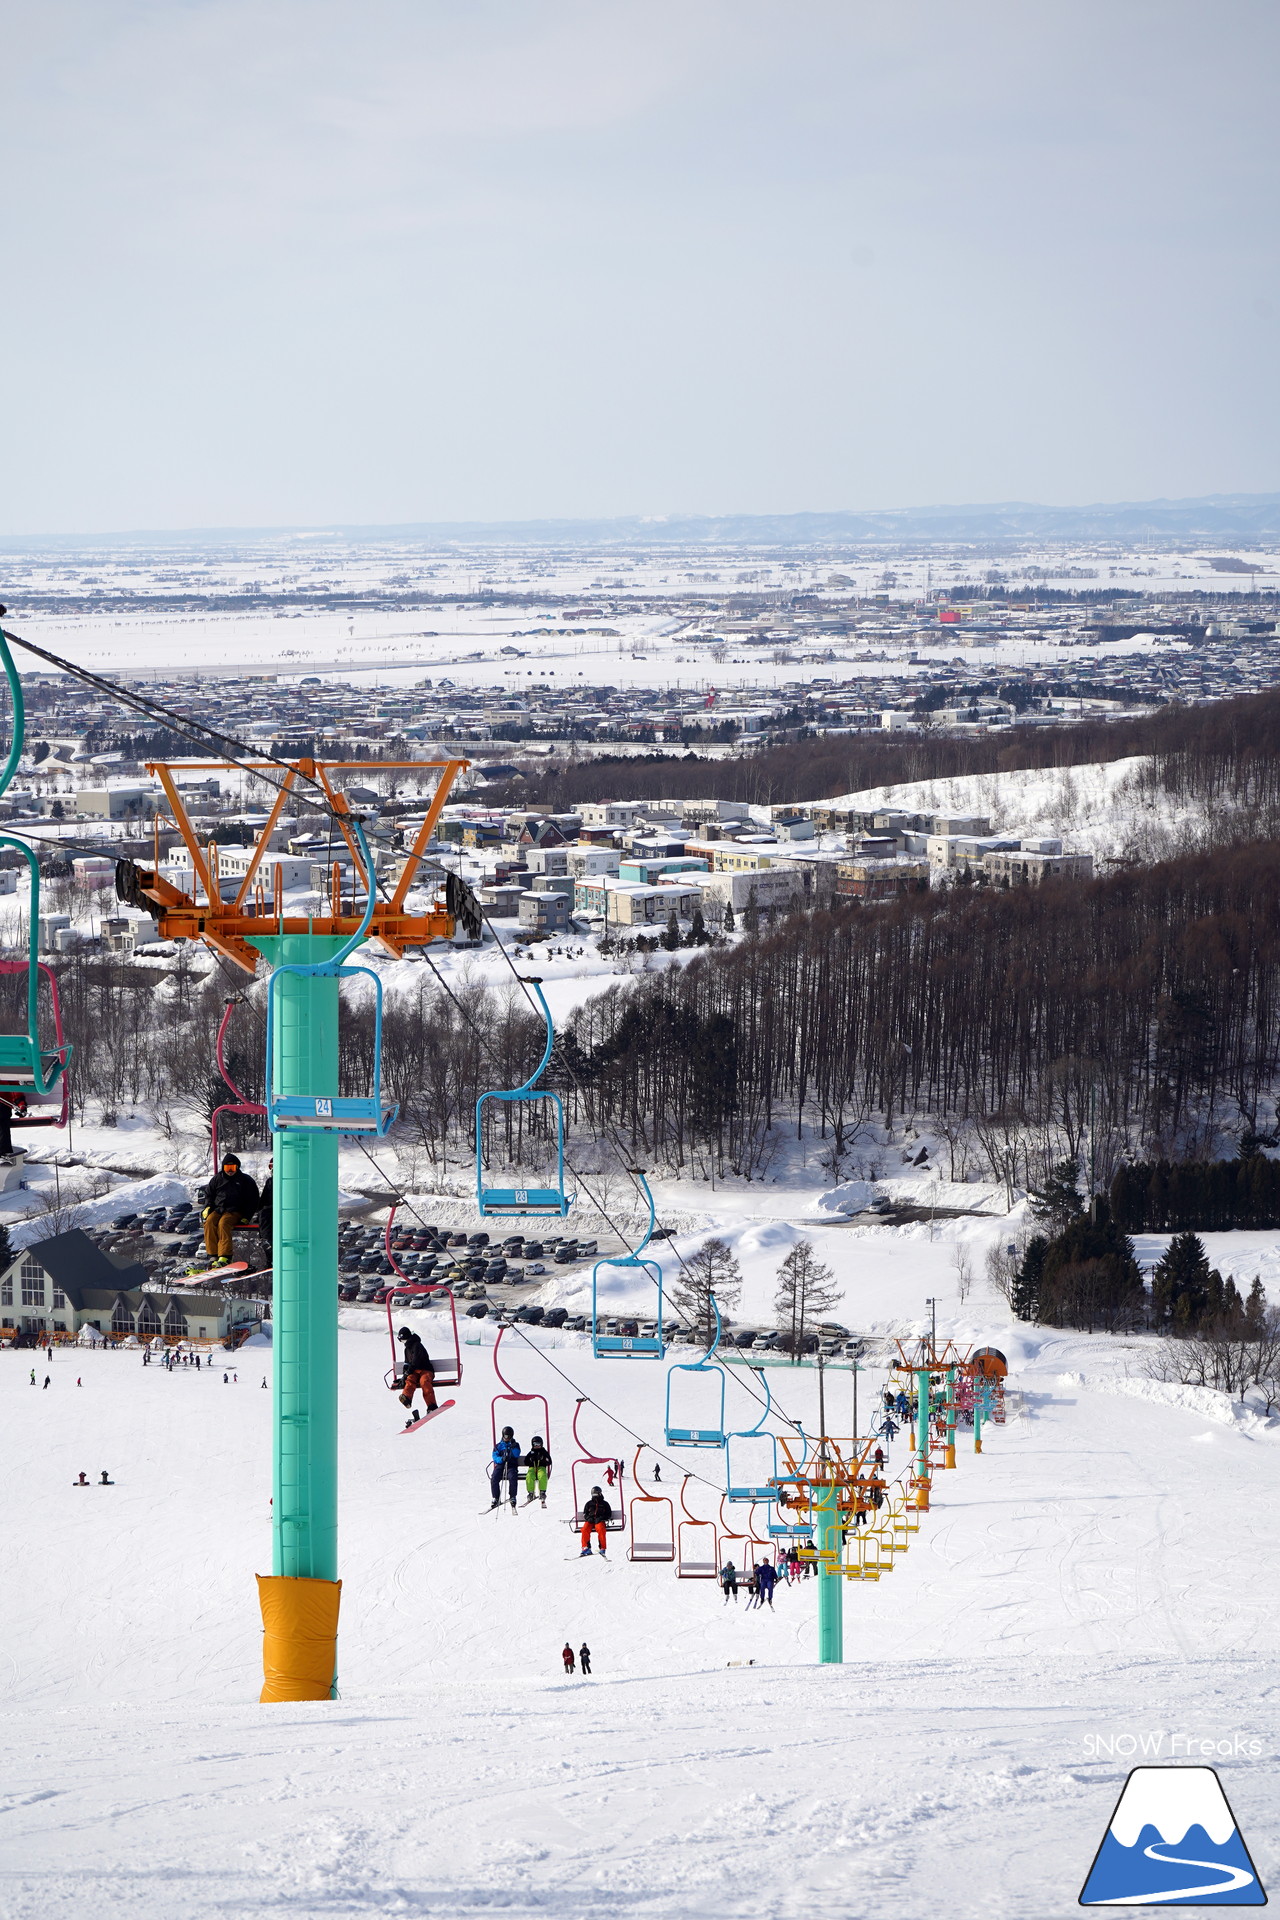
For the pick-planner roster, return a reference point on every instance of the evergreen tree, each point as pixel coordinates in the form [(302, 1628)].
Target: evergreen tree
[(1057, 1203), (1182, 1283), (730, 924), (697, 929), (671, 938), (1026, 1289), (7, 1254), (751, 913), (1090, 1276), (1255, 1307)]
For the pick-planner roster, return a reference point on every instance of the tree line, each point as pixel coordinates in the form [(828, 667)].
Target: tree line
[(1132, 1018), (1226, 753), (1134, 1013), (1211, 1196)]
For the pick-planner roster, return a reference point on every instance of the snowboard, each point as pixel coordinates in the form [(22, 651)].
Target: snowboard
[(422, 1418), (234, 1270)]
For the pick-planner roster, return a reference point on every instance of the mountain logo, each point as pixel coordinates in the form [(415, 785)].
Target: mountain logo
[(1172, 1842)]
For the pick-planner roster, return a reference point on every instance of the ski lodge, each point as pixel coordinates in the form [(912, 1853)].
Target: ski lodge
[(66, 1284)]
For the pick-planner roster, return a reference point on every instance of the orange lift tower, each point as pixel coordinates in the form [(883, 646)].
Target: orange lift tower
[(307, 954)]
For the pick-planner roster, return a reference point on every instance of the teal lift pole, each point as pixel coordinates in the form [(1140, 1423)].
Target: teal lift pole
[(826, 1527), (304, 1516), (923, 1410)]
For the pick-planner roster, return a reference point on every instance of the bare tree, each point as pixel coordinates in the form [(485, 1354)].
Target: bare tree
[(1004, 1263), (806, 1288), (1230, 1359), (712, 1270)]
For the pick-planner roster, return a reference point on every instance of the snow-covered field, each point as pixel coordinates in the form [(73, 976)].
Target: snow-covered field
[(1104, 1572), (618, 619)]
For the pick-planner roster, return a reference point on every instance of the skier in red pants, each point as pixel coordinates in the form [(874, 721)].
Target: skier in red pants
[(596, 1515)]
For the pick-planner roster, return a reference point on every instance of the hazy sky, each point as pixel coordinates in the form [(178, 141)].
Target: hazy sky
[(295, 261)]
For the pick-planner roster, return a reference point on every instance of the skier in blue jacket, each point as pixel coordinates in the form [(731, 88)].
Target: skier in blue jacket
[(506, 1464)]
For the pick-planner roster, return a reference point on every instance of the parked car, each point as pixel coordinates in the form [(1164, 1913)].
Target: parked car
[(478, 1310), (530, 1314), (478, 1240), (534, 1249), (534, 1267), (555, 1316), (574, 1322)]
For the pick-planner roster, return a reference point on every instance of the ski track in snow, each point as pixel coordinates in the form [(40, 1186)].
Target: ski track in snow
[(1093, 1571)]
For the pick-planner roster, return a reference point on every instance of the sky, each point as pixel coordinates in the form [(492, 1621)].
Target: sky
[(284, 262)]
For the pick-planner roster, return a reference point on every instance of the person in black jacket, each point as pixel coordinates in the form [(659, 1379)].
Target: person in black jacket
[(263, 1218), (230, 1197), (418, 1372), (537, 1463), (596, 1516), (504, 1465)]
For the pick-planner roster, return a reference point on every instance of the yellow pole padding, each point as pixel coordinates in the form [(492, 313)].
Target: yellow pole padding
[(300, 1637)]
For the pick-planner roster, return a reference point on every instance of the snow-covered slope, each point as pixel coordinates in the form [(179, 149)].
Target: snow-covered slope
[(1095, 1571), (1102, 808)]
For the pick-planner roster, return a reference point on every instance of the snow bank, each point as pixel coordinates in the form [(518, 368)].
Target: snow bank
[(1205, 1402), (131, 1196)]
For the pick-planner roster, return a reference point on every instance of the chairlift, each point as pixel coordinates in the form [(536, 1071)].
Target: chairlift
[(517, 1200), (32, 1075), (751, 1470), (628, 1346), (780, 1527), (240, 1105), (653, 1526), (512, 1395), (330, 1113), (679, 1435), (733, 1543), (582, 1475), (696, 1556), (447, 1373)]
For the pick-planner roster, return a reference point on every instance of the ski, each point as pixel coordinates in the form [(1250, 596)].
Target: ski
[(422, 1419)]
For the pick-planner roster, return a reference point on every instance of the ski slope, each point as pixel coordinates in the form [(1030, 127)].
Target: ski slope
[(1107, 1566)]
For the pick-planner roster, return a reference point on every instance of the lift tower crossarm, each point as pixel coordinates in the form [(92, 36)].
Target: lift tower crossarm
[(230, 926)]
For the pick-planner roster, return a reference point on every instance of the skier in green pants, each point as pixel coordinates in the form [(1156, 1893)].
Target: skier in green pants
[(537, 1471)]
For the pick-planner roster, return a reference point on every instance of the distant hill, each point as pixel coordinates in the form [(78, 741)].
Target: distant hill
[(1220, 518)]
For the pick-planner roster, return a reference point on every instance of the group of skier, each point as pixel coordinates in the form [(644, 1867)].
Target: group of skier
[(506, 1462)]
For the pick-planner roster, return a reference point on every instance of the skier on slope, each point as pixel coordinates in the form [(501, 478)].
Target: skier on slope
[(418, 1371), (584, 1657), (538, 1471), (596, 1516), (566, 1654), (505, 1465)]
